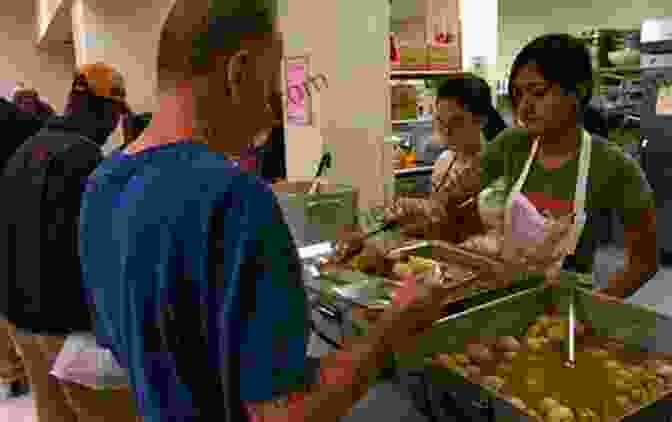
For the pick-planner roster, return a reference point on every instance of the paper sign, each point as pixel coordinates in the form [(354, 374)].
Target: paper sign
[(298, 113), (664, 97)]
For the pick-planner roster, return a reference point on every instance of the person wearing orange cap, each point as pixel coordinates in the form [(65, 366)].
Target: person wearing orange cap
[(42, 295)]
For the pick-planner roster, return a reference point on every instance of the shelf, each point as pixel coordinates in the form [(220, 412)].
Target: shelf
[(413, 170), (619, 72), (419, 74), (411, 121)]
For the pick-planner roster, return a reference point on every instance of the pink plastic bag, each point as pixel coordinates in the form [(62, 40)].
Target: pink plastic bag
[(527, 223), (83, 361)]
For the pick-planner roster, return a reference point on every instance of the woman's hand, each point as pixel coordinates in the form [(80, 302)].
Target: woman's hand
[(348, 246)]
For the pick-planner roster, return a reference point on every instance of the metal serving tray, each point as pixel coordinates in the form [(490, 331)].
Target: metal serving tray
[(637, 326)]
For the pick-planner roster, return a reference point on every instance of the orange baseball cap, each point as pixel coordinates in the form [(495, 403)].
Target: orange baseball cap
[(101, 80)]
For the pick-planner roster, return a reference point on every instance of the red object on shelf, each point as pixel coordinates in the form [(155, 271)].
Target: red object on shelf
[(394, 51)]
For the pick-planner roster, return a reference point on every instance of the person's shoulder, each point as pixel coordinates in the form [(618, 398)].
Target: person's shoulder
[(612, 154), (223, 175)]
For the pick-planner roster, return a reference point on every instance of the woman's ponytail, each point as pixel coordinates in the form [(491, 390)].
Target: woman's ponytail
[(494, 123)]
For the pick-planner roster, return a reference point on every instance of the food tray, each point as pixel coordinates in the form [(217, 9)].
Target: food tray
[(486, 288), (636, 326)]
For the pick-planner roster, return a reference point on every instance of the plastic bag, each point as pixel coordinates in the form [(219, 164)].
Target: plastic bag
[(83, 361), (527, 224)]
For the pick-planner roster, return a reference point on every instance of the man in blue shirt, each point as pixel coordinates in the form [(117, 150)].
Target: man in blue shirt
[(191, 267)]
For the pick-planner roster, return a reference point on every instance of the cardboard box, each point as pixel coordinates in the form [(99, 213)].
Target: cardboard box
[(444, 58), (428, 35), (412, 58), (403, 94)]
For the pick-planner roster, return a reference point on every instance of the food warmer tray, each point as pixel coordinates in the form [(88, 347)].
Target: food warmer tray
[(635, 325)]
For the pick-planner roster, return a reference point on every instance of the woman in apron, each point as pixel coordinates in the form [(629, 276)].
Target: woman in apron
[(553, 164), (464, 121), (464, 115)]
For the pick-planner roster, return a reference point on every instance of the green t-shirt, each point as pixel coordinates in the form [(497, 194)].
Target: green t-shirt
[(615, 181)]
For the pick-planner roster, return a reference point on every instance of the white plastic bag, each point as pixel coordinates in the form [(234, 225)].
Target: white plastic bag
[(83, 361)]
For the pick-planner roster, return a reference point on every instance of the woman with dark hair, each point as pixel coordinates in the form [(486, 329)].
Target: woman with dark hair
[(464, 120), (566, 173)]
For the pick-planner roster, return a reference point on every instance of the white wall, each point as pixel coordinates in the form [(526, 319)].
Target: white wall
[(523, 20), (479, 32), (347, 41), (50, 72)]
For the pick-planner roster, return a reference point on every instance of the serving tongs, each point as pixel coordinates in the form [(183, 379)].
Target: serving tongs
[(325, 163), (354, 246), (571, 359)]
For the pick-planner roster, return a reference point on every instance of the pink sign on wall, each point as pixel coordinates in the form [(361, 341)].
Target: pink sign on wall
[(298, 103)]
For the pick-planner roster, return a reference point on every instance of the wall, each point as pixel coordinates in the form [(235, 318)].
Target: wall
[(480, 32), (45, 14), (49, 72), (522, 20), (351, 115)]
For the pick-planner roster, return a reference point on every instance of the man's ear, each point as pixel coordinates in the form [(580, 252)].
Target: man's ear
[(236, 70)]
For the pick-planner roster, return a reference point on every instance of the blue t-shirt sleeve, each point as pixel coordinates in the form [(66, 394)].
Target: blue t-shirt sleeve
[(274, 328)]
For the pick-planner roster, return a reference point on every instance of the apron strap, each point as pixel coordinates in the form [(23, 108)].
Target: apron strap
[(579, 195)]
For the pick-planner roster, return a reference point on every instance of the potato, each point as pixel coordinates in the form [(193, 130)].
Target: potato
[(534, 344), (560, 414), (637, 395), (624, 402), (504, 369), (653, 389), (535, 330), (447, 360), (510, 355), (586, 415), (517, 403), (508, 344), (462, 359), (547, 405), (545, 320), (654, 364), (473, 371), (621, 385), (583, 415), (612, 365), (533, 413), (479, 353), (402, 269), (638, 371), (494, 382), (665, 371), (557, 332)]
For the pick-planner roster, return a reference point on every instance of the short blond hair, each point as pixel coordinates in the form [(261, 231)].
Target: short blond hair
[(199, 33)]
